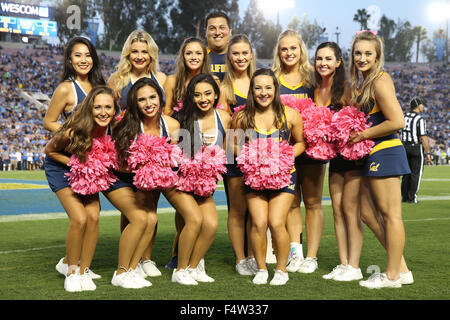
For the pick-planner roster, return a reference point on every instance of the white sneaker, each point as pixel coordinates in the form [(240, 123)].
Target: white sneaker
[(243, 268), (279, 278), (150, 269), (380, 280), (124, 280), (92, 274), (336, 270), (309, 265), (406, 278), (349, 274), (294, 264), (72, 283), (252, 265), (182, 276), (134, 273), (86, 283), (62, 267), (199, 275), (261, 277)]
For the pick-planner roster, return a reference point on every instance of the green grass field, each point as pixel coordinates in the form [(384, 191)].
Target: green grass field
[(29, 251)]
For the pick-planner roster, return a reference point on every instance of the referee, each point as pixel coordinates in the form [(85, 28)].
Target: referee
[(414, 138)]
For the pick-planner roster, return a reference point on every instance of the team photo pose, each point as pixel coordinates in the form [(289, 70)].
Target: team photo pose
[(138, 59), (240, 65), (387, 161), (292, 68), (75, 137), (267, 118), (332, 90), (81, 72)]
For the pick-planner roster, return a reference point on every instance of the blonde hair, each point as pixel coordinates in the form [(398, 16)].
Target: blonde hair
[(124, 68), (230, 75), (182, 72), (366, 88), (305, 68)]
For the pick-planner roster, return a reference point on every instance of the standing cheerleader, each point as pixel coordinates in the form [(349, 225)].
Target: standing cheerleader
[(240, 63), (344, 175), (75, 137), (291, 66), (82, 72), (387, 161), (143, 116), (204, 125), (266, 118), (192, 60), (139, 59)]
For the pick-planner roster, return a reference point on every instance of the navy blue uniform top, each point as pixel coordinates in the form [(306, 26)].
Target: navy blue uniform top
[(240, 99), (298, 91), (79, 97), (218, 136), (127, 88)]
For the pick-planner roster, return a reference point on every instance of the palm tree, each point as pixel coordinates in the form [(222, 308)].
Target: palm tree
[(361, 17), (420, 33)]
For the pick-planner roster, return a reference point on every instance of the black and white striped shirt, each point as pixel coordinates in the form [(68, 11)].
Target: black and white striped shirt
[(414, 128)]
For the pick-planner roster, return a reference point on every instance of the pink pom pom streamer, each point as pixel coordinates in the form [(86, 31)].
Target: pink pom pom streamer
[(346, 121), (266, 164), (94, 175), (151, 160), (299, 104), (200, 174)]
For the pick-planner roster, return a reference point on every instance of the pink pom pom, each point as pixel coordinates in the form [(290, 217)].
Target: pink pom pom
[(151, 160), (178, 106), (266, 164), (346, 121), (200, 174), (220, 107), (94, 175), (238, 108), (298, 104)]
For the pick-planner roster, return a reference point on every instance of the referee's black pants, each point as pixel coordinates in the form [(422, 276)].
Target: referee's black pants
[(411, 182)]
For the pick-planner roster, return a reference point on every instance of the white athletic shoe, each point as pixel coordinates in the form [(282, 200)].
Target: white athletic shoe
[(252, 265), (86, 282), (150, 269), (243, 268), (138, 278), (380, 280), (261, 277), (309, 265), (294, 264), (125, 280), (199, 275), (349, 274), (92, 274), (182, 276), (406, 278), (336, 270), (279, 278), (72, 283), (63, 268)]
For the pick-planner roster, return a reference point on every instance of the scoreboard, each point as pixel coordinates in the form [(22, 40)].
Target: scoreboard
[(30, 27)]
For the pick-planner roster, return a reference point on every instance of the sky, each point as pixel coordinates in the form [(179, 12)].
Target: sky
[(333, 13)]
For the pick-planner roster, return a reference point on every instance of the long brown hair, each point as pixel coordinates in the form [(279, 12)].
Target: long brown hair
[(80, 124)]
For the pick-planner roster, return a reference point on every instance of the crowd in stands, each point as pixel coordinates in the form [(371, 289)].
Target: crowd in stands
[(23, 137)]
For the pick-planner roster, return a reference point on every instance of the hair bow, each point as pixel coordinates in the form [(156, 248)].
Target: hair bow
[(371, 31)]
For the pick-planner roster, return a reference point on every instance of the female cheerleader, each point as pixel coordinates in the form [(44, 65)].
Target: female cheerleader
[(192, 60), (387, 161), (344, 175), (143, 116), (139, 59), (205, 126), (240, 63), (75, 136), (266, 117), (82, 72), (292, 68)]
